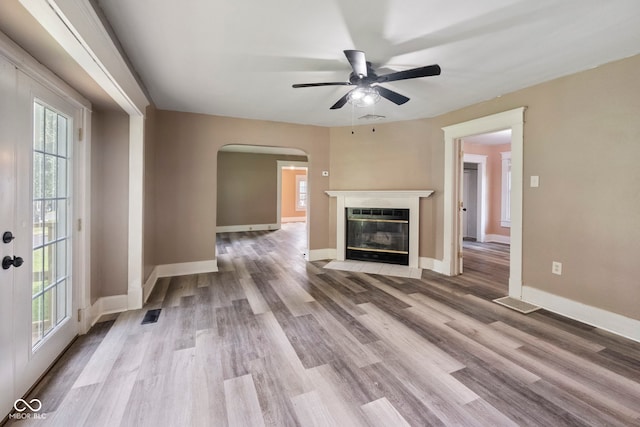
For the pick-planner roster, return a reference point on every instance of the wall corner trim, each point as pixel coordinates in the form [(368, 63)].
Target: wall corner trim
[(603, 319), (320, 254), (435, 265), (106, 305)]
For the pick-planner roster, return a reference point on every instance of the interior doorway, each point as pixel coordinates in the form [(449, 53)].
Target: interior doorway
[(293, 192), (453, 203), (486, 187)]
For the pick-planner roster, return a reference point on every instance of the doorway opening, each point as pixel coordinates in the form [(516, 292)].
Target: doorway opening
[(512, 120), (486, 187), (293, 195), (249, 189)]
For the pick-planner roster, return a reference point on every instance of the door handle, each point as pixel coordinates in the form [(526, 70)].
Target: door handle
[(7, 262), (7, 237)]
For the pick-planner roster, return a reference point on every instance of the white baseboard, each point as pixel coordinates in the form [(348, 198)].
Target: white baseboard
[(106, 305), (319, 254), (178, 269), (184, 268), (293, 219), (603, 319), (433, 265), (247, 227), (497, 238)]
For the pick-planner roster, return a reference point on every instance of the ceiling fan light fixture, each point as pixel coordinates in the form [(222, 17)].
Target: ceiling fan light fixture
[(364, 96)]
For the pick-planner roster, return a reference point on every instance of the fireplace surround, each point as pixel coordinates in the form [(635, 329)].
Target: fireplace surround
[(379, 200)]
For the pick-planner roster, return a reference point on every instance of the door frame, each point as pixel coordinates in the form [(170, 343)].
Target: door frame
[(32, 69), (481, 191), (511, 119), (281, 165)]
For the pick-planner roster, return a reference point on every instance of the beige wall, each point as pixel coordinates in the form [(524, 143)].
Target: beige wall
[(248, 188), (397, 156), (109, 203), (288, 194), (494, 183), (581, 136), (186, 166)]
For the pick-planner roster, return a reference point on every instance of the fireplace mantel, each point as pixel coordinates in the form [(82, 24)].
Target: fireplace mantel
[(408, 199), (391, 194)]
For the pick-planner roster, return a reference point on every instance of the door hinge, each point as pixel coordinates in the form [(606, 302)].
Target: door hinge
[(80, 134), (460, 254), (79, 224), (79, 314)]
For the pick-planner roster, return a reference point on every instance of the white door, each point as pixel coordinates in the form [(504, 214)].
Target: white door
[(39, 191), (7, 223)]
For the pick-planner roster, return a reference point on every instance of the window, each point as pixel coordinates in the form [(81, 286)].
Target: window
[(301, 192), (51, 211), (505, 217)]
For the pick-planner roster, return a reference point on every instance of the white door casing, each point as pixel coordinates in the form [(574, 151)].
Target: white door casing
[(514, 120)]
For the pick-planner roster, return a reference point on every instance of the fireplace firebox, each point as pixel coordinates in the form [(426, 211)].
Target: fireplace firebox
[(378, 235)]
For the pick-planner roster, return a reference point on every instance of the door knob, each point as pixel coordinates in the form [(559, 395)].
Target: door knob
[(7, 237), (7, 262)]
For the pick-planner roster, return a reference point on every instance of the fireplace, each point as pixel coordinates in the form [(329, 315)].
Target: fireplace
[(378, 235), (382, 202)]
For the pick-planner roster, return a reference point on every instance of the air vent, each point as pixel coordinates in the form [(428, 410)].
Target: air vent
[(151, 316)]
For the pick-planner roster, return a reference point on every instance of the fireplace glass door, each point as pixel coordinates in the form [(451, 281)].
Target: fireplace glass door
[(379, 235)]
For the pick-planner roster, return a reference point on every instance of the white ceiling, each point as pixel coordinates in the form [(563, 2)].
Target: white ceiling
[(240, 58)]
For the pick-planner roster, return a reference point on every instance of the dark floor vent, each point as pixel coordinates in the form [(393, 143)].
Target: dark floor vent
[(151, 316)]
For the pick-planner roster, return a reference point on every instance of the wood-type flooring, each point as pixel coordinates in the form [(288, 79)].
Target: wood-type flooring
[(276, 341)]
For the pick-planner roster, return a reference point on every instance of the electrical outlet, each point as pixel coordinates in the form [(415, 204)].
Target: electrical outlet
[(556, 268)]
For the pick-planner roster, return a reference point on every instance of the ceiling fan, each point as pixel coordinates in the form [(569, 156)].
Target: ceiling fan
[(368, 88)]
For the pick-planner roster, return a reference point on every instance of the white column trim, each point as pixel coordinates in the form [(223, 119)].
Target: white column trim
[(136, 211)]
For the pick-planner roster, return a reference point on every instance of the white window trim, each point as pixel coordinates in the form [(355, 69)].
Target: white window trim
[(505, 199)]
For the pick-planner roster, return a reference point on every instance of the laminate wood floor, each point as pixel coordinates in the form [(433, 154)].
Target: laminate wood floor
[(276, 341)]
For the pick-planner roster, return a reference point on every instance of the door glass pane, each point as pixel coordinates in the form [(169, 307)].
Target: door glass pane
[(51, 234), (38, 127)]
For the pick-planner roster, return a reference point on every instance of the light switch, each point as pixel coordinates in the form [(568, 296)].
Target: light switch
[(535, 181)]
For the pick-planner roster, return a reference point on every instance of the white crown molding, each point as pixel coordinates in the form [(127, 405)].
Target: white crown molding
[(75, 25)]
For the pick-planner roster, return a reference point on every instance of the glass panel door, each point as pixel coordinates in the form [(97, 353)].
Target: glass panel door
[(51, 236)]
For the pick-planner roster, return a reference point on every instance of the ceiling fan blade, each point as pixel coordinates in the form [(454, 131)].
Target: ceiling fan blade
[(358, 62), (392, 96), (321, 84), (341, 101), (414, 73)]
